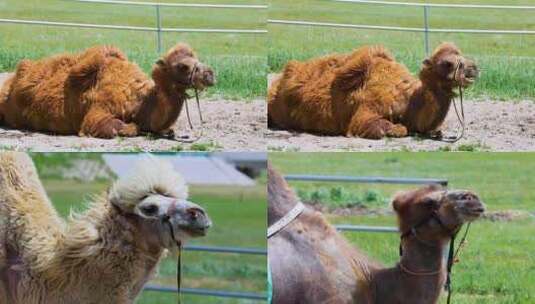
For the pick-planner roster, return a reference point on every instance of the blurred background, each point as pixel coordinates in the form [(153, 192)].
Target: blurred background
[(230, 186), (497, 264), (239, 58), (507, 60)]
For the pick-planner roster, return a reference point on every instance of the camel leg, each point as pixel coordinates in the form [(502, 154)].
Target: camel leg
[(98, 123), (371, 126)]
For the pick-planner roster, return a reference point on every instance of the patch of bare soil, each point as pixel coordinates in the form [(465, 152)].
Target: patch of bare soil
[(228, 125), (507, 216)]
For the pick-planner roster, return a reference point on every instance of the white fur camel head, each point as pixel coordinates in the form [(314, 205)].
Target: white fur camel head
[(155, 195)]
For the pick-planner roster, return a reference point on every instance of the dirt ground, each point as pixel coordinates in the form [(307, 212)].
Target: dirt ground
[(229, 126)]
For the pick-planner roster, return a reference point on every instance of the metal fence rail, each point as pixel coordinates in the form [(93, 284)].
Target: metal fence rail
[(444, 5), (162, 4), (159, 29), (426, 12), (240, 250), (213, 292), (366, 179), (400, 28), (209, 292), (361, 179)]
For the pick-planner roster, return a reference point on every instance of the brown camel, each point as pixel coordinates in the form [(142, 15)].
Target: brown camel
[(311, 263), (103, 256), (368, 94), (100, 93)]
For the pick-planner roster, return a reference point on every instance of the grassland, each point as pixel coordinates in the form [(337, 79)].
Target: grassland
[(238, 59), (497, 266), (507, 61), (239, 220)]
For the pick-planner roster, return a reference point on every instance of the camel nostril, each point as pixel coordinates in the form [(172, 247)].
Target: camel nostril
[(195, 213)]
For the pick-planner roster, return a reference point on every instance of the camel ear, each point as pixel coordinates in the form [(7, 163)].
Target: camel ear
[(431, 203), (398, 203)]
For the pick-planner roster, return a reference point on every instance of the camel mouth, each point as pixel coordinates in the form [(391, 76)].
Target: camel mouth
[(468, 204), (473, 213), (468, 80), (194, 231), (204, 78)]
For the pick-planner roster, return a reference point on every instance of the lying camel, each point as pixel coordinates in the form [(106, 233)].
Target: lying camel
[(368, 94), (105, 255), (99, 93), (312, 263)]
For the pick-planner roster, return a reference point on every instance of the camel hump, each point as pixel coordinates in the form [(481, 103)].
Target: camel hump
[(352, 74), (380, 51), (83, 75), (22, 67), (17, 172), (105, 51)]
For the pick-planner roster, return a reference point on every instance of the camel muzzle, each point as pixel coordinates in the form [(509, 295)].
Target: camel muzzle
[(204, 77), (187, 217), (468, 73), (467, 203)]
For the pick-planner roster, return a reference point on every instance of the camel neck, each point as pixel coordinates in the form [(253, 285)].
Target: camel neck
[(162, 105), (281, 199), (401, 284), (428, 105), (423, 257)]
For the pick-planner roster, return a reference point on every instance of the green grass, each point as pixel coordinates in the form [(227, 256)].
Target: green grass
[(507, 61), (238, 59), (496, 266), (239, 220), (504, 180)]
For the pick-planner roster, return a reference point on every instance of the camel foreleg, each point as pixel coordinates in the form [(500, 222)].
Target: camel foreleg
[(99, 123), (371, 126)]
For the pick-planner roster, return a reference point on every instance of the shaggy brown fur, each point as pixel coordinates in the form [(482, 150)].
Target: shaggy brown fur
[(311, 263), (105, 255), (99, 93), (367, 93)]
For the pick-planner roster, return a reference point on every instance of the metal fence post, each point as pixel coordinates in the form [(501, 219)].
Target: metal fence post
[(426, 32), (159, 26)]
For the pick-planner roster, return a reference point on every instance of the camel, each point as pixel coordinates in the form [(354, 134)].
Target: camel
[(312, 263), (99, 93), (368, 94), (105, 255)]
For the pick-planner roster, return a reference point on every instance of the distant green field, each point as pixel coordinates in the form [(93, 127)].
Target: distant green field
[(497, 265), (239, 217), (507, 61), (238, 59)]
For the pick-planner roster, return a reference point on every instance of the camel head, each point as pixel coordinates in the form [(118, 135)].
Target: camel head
[(447, 64), (154, 197), (436, 213), (181, 67)]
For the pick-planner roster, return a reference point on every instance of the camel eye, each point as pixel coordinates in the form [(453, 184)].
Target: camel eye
[(149, 210), (446, 64), (182, 67), (431, 203)]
